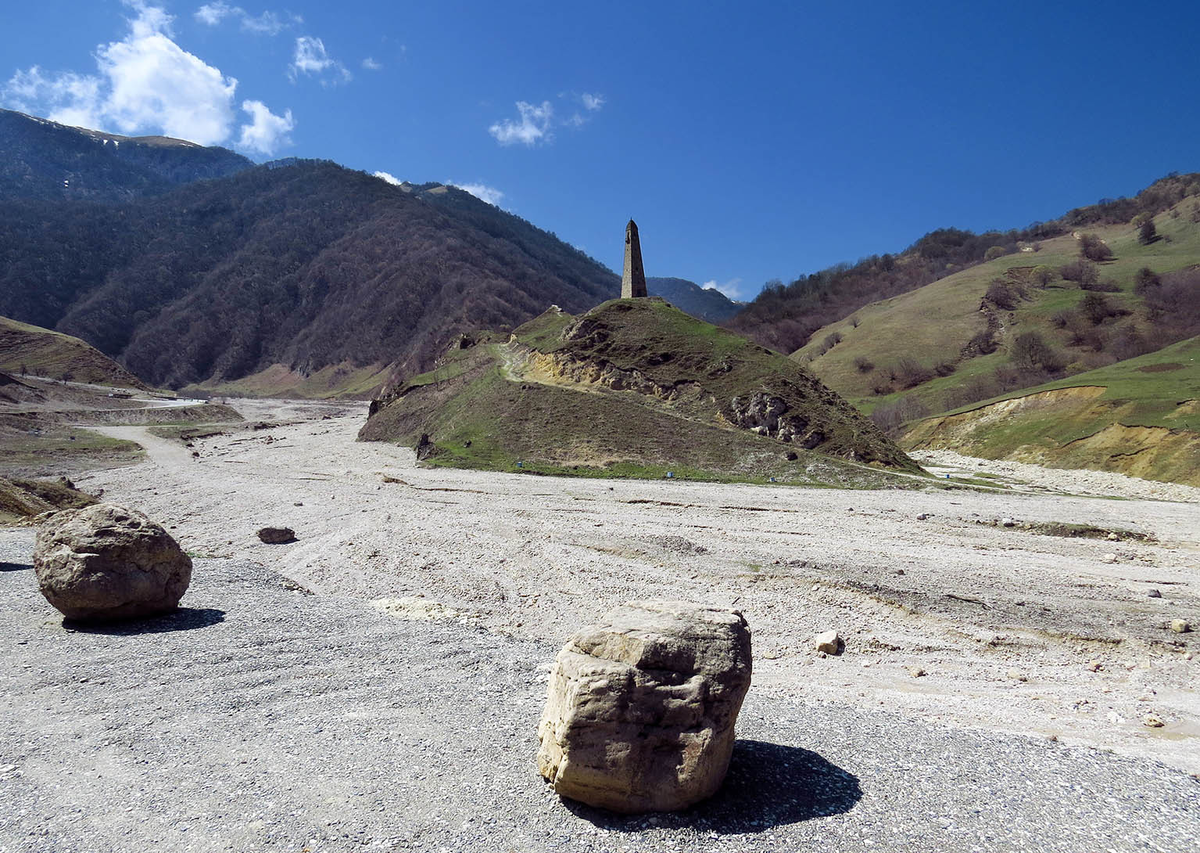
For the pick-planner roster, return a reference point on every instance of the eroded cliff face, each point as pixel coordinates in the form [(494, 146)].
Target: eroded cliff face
[(1068, 428)]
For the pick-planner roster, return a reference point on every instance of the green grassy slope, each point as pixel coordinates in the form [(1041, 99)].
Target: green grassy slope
[(42, 352), (1140, 416), (632, 388), (933, 325)]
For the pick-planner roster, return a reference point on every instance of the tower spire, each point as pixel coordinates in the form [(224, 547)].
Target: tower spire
[(633, 279)]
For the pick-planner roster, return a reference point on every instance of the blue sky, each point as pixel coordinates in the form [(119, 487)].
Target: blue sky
[(751, 141)]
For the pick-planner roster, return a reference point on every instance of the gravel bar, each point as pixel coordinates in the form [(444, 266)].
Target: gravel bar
[(263, 717)]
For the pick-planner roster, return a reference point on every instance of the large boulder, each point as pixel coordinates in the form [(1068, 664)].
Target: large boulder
[(105, 562), (641, 709)]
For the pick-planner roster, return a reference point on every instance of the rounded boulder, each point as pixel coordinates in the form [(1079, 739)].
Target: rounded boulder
[(106, 562)]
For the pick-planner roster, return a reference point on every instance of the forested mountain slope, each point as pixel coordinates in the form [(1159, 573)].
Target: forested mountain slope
[(304, 266), (50, 161)]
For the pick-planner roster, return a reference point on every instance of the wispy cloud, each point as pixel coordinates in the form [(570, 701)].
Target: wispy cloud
[(312, 60), (732, 288), (592, 102), (266, 132), (389, 177), (371, 64), (481, 191), (146, 83), (266, 23), (531, 129)]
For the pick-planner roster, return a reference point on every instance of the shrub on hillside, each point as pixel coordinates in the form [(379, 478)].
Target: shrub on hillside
[(863, 364), (1083, 272), (1147, 234), (1097, 308), (1144, 279), (891, 417), (1093, 248), (1063, 318), (1043, 275), (994, 252), (982, 343), (1031, 354), (908, 373), (1002, 294)]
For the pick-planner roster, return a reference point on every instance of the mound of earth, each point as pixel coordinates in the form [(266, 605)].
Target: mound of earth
[(27, 349), (634, 387), (24, 499)]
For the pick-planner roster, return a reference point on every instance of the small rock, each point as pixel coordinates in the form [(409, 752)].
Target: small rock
[(1095, 666), (922, 516), (1007, 522), (1181, 626), (1112, 537), (1153, 721), (277, 535), (1109, 558), (1154, 593), (916, 671), (1016, 675), (899, 571), (829, 642)]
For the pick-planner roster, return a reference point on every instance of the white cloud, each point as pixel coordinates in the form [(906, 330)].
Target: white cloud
[(534, 126), (213, 13), (371, 65), (146, 83), (313, 60), (732, 288), (267, 23), (389, 177), (481, 191), (267, 132), (592, 102)]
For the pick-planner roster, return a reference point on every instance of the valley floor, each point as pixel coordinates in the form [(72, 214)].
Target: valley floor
[(395, 705)]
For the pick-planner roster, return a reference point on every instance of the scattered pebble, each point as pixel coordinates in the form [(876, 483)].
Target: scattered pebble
[(916, 671), (1154, 593), (1153, 721), (1181, 626)]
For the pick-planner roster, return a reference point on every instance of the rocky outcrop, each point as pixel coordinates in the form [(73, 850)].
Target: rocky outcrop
[(105, 562), (767, 414), (641, 709)]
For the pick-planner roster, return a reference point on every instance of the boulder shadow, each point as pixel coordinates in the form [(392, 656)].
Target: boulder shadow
[(768, 785), (182, 619), (15, 567)]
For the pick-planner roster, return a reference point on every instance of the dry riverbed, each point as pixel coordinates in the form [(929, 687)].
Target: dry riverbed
[(960, 614)]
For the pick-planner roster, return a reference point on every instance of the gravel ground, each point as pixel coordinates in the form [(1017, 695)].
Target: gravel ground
[(1015, 631), (262, 717), (1073, 480)]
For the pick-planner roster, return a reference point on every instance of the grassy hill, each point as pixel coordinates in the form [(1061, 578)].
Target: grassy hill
[(41, 352), (1140, 416), (632, 388), (786, 317), (953, 341)]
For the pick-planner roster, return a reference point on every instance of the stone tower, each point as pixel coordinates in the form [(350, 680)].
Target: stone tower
[(633, 280)]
